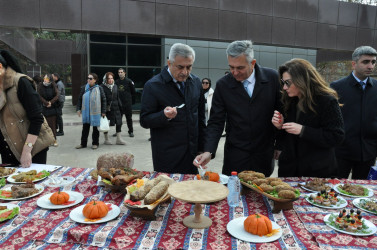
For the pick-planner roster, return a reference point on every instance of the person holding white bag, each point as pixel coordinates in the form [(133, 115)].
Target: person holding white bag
[(114, 107), (92, 105)]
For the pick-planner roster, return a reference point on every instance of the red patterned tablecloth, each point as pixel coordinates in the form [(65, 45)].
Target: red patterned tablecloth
[(38, 228)]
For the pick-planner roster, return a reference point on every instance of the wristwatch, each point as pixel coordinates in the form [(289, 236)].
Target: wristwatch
[(29, 144)]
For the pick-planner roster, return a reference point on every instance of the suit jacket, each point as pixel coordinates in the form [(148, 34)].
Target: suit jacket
[(313, 152), (175, 142), (250, 132), (360, 118)]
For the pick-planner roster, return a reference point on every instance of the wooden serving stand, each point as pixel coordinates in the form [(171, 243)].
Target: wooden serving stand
[(198, 192), (279, 204)]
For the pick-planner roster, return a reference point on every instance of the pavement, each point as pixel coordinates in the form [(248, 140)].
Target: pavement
[(66, 154)]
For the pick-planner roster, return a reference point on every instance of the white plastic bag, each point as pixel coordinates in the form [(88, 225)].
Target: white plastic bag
[(104, 125)]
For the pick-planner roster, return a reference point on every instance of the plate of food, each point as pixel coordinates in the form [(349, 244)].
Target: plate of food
[(59, 181), (366, 204), (350, 224), (60, 199), (8, 211), (6, 171), (353, 190), (329, 200), (20, 192), (237, 229), (32, 175), (315, 185), (91, 214)]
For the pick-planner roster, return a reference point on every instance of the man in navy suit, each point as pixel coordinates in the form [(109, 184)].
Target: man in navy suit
[(246, 99), (358, 97)]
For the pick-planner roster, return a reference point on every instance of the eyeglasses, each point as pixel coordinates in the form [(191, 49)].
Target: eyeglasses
[(90, 78), (205, 82), (286, 82)]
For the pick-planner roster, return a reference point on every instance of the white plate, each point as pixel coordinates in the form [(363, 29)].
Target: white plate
[(77, 215), (310, 190), (11, 180), (370, 225), (44, 201), (356, 203), (59, 181), (37, 186), (236, 229), (4, 176), (370, 192), (223, 179), (11, 206), (340, 204)]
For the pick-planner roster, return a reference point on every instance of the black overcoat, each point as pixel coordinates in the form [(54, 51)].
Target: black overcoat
[(250, 134), (360, 118), (312, 153), (113, 104), (175, 142), (127, 94)]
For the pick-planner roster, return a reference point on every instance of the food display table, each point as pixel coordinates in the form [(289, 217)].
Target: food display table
[(38, 228)]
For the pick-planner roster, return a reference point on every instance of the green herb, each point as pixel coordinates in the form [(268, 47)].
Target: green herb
[(274, 193), (2, 182), (107, 182), (15, 211)]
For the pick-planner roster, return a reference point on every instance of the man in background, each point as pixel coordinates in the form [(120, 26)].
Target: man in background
[(358, 97), (126, 88), (61, 100)]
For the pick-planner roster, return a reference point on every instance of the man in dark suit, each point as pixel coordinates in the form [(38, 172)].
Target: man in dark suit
[(172, 106), (358, 94), (246, 98)]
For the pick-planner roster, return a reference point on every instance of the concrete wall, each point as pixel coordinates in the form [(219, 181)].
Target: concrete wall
[(326, 24)]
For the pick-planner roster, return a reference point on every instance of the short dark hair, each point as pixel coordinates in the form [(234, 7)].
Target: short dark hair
[(56, 74), (122, 69)]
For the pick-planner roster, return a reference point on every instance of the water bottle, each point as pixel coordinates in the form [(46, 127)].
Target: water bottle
[(234, 187)]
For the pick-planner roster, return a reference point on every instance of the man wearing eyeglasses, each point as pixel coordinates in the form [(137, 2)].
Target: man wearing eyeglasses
[(358, 96), (246, 98), (172, 106)]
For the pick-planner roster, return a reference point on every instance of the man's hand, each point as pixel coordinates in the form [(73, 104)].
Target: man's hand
[(202, 159), (292, 128), (277, 119), (170, 112), (79, 113)]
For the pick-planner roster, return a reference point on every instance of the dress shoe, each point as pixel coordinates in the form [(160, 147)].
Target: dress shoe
[(55, 144), (94, 146), (80, 146), (131, 134), (60, 133), (114, 135)]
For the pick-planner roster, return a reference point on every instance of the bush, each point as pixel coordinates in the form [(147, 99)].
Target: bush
[(68, 91)]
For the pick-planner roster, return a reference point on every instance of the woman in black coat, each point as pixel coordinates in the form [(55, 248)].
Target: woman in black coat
[(311, 125), (114, 107)]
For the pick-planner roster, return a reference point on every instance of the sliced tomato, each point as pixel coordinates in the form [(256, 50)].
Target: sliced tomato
[(6, 214), (109, 206)]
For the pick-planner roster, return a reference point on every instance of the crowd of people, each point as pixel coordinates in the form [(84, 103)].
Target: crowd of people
[(292, 115)]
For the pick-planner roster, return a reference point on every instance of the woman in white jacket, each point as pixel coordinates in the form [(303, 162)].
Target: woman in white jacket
[(208, 94)]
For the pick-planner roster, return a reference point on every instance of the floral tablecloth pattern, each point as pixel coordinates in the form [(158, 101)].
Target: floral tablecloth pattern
[(38, 228)]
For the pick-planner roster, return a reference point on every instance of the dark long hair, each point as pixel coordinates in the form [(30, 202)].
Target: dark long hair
[(8, 60)]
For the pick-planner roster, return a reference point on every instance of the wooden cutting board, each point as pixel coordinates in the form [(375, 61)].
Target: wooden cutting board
[(198, 191)]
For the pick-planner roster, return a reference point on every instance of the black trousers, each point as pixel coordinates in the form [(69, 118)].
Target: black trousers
[(59, 118), (129, 122), (85, 134), (40, 158), (360, 169)]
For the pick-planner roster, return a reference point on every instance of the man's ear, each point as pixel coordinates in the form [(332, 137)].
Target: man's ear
[(253, 62)]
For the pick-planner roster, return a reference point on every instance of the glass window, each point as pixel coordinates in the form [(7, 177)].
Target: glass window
[(144, 40), (141, 75), (144, 55), (107, 54), (107, 38)]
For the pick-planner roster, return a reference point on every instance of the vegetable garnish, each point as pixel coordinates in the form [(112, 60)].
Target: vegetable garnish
[(274, 231)]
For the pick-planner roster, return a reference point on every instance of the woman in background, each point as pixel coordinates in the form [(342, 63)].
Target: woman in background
[(91, 105), (311, 125), (208, 94), (49, 94), (24, 135), (114, 107)]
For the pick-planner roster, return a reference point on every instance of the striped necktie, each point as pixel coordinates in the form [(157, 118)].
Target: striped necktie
[(182, 87)]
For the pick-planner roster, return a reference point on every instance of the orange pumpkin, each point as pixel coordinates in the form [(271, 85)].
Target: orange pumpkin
[(212, 176), (258, 224), (95, 210), (59, 198)]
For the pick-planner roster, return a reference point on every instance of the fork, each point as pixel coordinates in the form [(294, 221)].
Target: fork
[(180, 106)]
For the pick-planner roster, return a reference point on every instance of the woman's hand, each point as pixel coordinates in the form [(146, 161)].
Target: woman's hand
[(292, 128), (277, 119), (79, 113), (26, 157)]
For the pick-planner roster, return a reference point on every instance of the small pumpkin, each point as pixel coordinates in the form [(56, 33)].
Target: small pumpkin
[(258, 224), (59, 198), (212, 176), (95, 210)]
